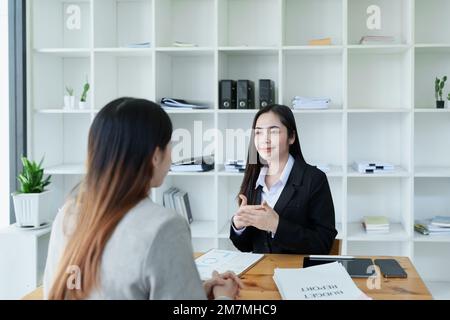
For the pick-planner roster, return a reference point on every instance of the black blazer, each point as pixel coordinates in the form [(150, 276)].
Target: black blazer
[(306, 211)]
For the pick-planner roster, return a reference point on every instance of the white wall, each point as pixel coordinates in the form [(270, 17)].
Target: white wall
[(4, 116)]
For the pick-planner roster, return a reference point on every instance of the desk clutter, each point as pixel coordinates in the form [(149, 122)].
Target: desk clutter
[(194, 164), (241, 94), (373, 167), (178, 200), (438, 225), (376, 224)]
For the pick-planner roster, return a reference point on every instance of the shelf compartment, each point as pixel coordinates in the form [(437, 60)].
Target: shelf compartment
[(395, 20), (377, 196), (431, 199), (429, 64), (249, 23), (61, 138), (249, 65), (309, 74), (188, 21), (429, 171), (52, 18), (372, 73), (432, 260), (321, 146), (186, 77), (305, 20), (49, 92), (119, 75), (380, 137), (432, 149), (431, 15), (120, 23)]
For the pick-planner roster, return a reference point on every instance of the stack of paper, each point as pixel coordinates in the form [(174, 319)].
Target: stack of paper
[(178, 200), (194, 164), (373, 167), (235, 166), (225, 260), (439, 225), (183, 44), (376, 224), (323, 282), (310, 103), (139, 45), (377, 40), (180, 104)]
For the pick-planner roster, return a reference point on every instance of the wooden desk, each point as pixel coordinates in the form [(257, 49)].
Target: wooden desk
[(259, 284)]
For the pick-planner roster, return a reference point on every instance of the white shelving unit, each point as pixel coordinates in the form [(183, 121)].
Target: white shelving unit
[(383, 100)]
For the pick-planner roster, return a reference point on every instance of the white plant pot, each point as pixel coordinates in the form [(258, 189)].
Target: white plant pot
[(448, 103), (69, 102), (31, 209), (82, 105)]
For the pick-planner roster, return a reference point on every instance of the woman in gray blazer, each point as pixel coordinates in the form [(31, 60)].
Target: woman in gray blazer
[(110, 240)]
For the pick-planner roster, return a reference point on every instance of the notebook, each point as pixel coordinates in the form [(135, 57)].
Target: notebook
[(225, 260)]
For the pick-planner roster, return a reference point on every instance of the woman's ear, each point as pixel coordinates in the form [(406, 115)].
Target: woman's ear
[(157, 157), (291, 140)]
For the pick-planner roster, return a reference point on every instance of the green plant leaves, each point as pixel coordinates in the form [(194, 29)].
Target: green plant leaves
[(32, 177)]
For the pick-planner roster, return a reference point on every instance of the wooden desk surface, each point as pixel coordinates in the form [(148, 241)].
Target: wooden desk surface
[(259, 284)]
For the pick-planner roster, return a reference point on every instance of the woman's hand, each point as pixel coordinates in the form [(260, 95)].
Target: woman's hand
[(238, 222), (263, 218), (222, 279)]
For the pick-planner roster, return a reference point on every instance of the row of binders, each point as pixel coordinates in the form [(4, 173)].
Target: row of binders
[(438, 225), (178, 201)]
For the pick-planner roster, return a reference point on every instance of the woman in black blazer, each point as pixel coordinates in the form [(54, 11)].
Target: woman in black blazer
[(285, 203)]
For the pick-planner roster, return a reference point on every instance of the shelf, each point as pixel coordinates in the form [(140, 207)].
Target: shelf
[(203, 229), (378, 49), (432, 110), (305, 20), (395, 20), (431, 15), (64, 111), (249, 23), (317, 50), (186, 111), (188, 21), (356, 232), (433, 238), (121, 23), (430, 172), (201, 174), (65, 52), (399, 172), (66, 169), (127, 52), (378, 110), (249, 50)]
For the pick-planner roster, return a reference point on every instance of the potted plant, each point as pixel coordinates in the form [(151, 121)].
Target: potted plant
[(448, 100), (83, 103), (69, 99), (31, 200), (438, 87)]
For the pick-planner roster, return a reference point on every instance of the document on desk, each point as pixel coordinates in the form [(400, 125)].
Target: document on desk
[(225, 260), (324, 282)]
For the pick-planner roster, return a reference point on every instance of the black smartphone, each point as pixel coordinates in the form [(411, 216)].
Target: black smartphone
[(390, 268)]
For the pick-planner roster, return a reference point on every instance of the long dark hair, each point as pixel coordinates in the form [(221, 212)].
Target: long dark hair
[(254, 162), (122, 140)]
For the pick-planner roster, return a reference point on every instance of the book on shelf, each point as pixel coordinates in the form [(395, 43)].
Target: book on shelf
[(373, 167), (377, 40), (299, 102), (426, 227), (320, 42), (194, 164), (178, 200), (329, 281), (225, 260), (235, 166), (441, 221), (181, 44), (376, 224), (181, 104), (138, 45)]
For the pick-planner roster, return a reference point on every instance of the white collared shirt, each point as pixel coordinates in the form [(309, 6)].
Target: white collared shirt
[(271, 196)]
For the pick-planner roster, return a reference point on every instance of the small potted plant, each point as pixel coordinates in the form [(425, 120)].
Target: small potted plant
[(83, 99), (69, 99), (448, 100), (438, 87), (31, 200)]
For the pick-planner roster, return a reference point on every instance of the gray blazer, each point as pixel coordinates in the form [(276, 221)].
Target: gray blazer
[(149, 256)]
